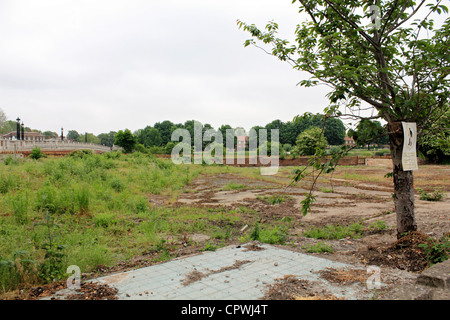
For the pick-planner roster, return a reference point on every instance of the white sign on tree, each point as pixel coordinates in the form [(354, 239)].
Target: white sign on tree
[(409, 156)]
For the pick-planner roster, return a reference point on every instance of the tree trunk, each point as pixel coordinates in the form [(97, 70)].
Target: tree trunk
[(403, 183)]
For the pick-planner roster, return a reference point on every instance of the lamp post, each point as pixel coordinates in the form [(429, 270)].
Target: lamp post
[(62, 134), (18, 129), (23, 131)]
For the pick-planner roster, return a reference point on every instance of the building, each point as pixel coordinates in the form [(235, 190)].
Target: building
[(349, 141), (28, 136), (242, 142)]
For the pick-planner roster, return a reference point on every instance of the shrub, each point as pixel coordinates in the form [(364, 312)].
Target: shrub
[(9, 160), (437, 195), (36, 153), (436, 251)]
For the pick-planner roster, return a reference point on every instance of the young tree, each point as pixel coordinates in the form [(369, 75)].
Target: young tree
[(378, 55), (126, 140)]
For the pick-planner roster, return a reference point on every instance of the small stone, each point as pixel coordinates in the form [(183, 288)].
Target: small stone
[(276, 264)]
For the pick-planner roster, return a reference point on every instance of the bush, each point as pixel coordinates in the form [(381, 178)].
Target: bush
[(437, 195), (436, 251), (309, 141), (36, 153), (9, 160)]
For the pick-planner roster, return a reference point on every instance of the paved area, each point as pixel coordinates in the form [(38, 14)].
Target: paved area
[(230, 273)]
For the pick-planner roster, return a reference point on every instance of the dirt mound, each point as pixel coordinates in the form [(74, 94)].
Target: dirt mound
[(404, 254), (94, 291), (291, 288)]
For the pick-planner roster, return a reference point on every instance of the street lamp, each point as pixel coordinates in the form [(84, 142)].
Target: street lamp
[(23, 131), (62, 134), (18, 128)]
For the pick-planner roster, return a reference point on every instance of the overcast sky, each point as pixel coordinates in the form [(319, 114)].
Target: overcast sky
[(98, 66)]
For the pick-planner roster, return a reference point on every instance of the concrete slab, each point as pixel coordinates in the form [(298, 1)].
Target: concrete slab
[(436, 276), (230, 273)]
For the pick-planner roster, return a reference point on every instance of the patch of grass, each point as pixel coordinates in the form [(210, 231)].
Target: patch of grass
[(209, 247), (233, 186), (334, 232), (326, 190), (320, 247), (275, 199), (378, 225), (437, 195), (274, 235)]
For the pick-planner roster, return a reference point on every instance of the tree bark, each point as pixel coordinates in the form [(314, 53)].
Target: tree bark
[(403, 183)]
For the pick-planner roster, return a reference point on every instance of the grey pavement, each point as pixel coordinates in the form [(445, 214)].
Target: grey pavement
[(230, 273)]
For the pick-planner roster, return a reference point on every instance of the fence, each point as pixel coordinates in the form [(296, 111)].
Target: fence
[(50, 146)]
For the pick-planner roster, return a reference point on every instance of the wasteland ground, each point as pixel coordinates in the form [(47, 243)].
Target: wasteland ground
[(355, 203)]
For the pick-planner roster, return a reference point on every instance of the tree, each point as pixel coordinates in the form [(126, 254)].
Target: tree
[(107, 138), (369, 132), (2, 118), (89, 138), (165, 130), (149, 137), (73, 135), (435, 142), (388, 65), (8, 126), (309, 140), (126, 140), (50, 135)]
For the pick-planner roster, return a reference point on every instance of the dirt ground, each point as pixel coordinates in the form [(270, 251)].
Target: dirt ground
[(352, 195)]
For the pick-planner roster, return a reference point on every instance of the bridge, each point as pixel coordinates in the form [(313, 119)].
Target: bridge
[(23, 148)]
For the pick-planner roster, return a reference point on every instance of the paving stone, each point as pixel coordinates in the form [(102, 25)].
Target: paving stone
[(248, 281)]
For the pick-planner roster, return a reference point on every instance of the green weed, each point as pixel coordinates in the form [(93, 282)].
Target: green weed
[(319, 247), (330, 232)]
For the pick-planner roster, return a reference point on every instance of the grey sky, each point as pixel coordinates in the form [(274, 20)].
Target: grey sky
[(98, 66)]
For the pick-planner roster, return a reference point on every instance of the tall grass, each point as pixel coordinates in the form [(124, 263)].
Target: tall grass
[(99, 210)]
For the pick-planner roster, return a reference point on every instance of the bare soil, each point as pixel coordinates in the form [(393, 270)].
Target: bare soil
[(353, 195)]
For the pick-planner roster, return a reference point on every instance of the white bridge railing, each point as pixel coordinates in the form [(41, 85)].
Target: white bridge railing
[(51, 145)]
